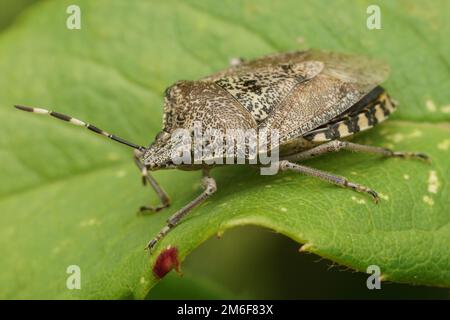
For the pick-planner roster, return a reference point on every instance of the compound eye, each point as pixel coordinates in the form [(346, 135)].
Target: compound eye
[(162, 136)]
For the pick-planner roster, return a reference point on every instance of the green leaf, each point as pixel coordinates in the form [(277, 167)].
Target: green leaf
[(69, 198), (9, 11)]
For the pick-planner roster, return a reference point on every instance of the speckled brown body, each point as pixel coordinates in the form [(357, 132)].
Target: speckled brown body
[(312, 99), (293, 93)]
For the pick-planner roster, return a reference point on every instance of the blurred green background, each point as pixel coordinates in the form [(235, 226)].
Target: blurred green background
[(10, 9), (251, 262)]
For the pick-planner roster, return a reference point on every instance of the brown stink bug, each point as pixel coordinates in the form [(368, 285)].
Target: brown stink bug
[(312, 99)]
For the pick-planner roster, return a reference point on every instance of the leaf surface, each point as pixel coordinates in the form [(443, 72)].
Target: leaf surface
[(70, 198)]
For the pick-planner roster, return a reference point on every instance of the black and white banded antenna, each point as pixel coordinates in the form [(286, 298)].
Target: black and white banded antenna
[(80, 123)]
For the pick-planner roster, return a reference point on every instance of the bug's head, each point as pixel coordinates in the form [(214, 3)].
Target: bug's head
[(158, 154)]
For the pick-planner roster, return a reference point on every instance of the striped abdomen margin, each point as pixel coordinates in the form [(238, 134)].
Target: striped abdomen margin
[(354, 121)]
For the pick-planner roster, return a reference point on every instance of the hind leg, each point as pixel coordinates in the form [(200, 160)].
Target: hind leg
[(337, 145)]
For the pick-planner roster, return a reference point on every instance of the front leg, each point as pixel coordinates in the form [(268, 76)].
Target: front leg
[(209, 185), (147, 178)]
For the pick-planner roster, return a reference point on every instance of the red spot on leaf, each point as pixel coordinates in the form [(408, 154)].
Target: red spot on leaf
[(166, 261)]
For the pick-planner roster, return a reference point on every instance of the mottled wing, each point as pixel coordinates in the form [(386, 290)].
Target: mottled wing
[(344, 80), (259, 88)]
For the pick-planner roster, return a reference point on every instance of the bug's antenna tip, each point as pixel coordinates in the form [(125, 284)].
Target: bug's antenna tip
[(23, 108), (78, 122)]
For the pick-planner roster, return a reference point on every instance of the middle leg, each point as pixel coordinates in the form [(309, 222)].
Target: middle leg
[(209, 185), (328, 177)]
